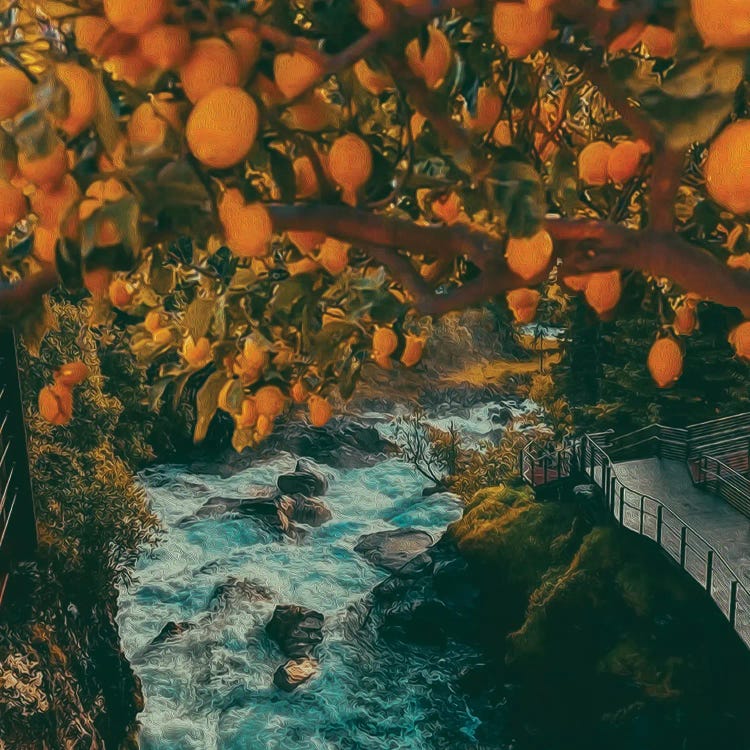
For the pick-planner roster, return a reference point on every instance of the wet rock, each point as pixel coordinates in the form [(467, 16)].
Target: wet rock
[(422, 621), (294, 673), (239, 590), (172, 630), (297, 630), (306, 479), (341, 443), (304, 510), (255, 500), (392, 549)]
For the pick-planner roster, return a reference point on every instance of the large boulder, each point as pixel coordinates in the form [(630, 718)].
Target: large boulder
[(392, 549), (294, 672), (297, 630), (255, 500), (306, 479), (171, 630), (236, 590), (305, 510)]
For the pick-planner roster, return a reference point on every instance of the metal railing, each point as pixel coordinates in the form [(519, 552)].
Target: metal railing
[(647, 516), (18, 538), (721, 479), (540, 466)]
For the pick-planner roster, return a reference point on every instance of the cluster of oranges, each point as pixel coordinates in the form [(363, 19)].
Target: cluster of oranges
[(600, 162), (385, 342), (56, 400)]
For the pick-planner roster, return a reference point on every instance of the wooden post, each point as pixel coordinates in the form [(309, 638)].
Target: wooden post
[(640, 520)]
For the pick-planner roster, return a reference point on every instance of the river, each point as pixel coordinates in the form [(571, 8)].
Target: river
[(210, 688)]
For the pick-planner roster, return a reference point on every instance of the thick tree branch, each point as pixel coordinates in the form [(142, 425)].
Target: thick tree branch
[(17, 299), (584, 245)]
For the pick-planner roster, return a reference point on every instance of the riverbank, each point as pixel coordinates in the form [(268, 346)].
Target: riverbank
[(592, 634)]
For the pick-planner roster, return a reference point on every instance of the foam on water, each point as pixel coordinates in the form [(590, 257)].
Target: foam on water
[(211, 687)]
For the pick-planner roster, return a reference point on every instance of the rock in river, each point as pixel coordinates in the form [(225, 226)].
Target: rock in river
[(304, 510), (294, 672), (306, 479), (392, 549), (296, 629)]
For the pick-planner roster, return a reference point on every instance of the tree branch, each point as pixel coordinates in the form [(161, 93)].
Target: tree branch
[(17, 299)]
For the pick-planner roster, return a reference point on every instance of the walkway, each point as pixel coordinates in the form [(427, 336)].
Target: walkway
[(719, 523)]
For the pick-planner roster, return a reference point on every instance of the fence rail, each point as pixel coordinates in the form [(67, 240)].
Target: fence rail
[(18, 539)]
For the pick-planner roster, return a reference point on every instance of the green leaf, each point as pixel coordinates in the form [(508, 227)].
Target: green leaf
[(206, 403), (105, 122), (291, 291), (156, 392), (518, 193), (198, 317)]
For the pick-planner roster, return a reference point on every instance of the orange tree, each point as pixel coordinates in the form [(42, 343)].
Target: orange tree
[(272, 193)]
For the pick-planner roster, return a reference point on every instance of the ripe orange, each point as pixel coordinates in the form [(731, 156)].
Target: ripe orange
[(121, 293), (165, 46), (519, 29), (685, 319), (212, 64), (72, 373), (523, 304), (298, 392), (222, 127), (350, 164), (162, 336), (16, 89), (129, 66), (320, 410), (154, 321), (433, 66), (135, 16), (82, 97), (46, 171), (665, 362), (53, 206), (89, 33), (263, 427), (197, 353), (739, 338), (107, 233), (726, 170), (295, 72), (248, 415), (270, 401), (413, 349), (371, 14), (722, 23), (488, 109), (97, 282), (246, 45), (306, 265), (147, 129), (306, 242), (56, 404), (603, 291), (384, 342), (254, 356), (304, 177), (310, 114), (12, 207), (501, 135), (659, 41), (247, 227), (333, 255), (623, 161), (576, 283), (593, 162), (529, 256), (629, 38), (447, 207), (371, 80), (739, 261), (45, 244)]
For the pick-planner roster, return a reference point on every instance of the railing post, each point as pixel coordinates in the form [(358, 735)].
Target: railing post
[(733, 602), (640, 520), (622, 504), (659, 522), (683, 546), (709, 570)]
